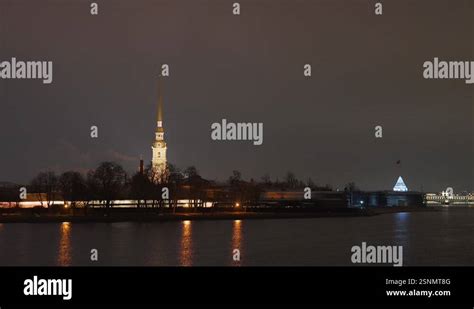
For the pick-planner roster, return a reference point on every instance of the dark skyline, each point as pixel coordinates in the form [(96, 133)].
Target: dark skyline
[(367, 70)]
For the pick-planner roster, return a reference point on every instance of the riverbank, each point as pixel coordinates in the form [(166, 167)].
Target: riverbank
[(148, 216)]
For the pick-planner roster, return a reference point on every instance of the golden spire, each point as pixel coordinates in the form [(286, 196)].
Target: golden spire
[(159, 126)]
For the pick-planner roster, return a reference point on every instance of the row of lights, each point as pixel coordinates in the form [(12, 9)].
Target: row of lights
[(185, 205)]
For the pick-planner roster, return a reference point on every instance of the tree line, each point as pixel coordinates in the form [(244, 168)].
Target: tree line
[(109, 183)]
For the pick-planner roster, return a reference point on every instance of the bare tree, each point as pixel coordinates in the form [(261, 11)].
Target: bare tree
[(45, 183), (72, 186), (110, 179), (139, 185), (310, 183), (291, 180), (175, 182), (266, 180)]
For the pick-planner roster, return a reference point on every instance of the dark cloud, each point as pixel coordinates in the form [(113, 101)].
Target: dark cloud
[(367, 71)]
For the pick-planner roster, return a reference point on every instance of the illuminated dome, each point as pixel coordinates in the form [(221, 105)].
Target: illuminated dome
[(400, 185)]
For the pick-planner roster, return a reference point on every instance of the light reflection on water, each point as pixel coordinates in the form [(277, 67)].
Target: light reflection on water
[(186, 250), (237, 241), (64, 252), (428, 238)]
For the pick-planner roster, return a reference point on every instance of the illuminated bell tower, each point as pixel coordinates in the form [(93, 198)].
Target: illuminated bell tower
[(159, 145)]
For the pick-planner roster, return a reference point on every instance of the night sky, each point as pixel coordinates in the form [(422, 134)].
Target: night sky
[(366, 71)]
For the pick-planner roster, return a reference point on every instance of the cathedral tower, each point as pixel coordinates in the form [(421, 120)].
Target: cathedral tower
[(159, 145)]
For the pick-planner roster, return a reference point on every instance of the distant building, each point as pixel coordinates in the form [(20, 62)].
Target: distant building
[(297, 198), (437, 199), (400, 185), (159, 145), (386, 199)]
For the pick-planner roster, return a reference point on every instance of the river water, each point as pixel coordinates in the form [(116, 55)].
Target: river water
[(428, 238)]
